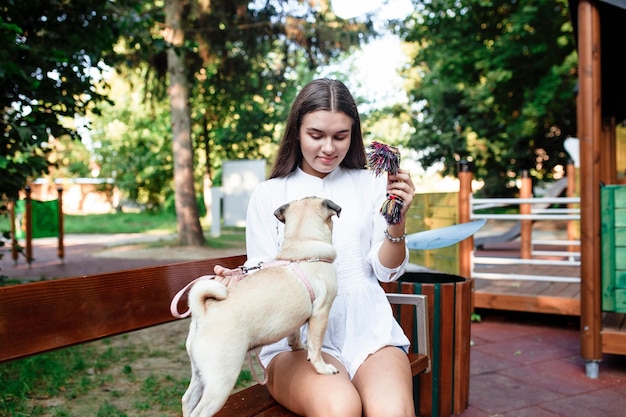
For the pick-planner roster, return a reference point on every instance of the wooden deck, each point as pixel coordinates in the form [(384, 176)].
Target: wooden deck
[(529, 296), (613, 333), (546, 297), (540, 296)]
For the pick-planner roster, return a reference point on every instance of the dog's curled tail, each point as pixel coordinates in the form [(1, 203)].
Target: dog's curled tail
[(204, 290)]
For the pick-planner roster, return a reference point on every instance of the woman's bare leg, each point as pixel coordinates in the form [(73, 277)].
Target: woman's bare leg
[(385, 384), (293, 382)]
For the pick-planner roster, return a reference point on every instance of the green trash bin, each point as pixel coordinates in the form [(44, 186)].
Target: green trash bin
[(445, 390)]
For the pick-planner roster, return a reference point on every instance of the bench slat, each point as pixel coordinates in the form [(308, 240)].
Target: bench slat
[(276, 411), (42, 316), (250, 402)]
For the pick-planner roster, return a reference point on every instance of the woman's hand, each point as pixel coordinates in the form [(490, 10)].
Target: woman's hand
[(402, 187), (393, 250), (225, 275)]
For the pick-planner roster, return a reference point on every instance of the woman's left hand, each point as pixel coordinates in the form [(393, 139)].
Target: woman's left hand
[(402, 187)]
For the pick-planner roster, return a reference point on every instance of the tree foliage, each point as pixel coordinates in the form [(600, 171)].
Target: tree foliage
[(50, 52), (242, 59), (497, 86), (131, 141), (235, 62), (245, 61)]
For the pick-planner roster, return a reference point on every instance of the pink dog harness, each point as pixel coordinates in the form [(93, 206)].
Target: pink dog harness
[(241, 272)]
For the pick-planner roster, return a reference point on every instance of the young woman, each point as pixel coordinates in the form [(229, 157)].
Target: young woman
[(322, 154)]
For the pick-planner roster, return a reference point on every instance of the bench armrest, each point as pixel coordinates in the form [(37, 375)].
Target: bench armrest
[(421, 318)]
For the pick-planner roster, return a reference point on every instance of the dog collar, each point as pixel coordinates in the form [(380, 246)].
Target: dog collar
[(280, 262)]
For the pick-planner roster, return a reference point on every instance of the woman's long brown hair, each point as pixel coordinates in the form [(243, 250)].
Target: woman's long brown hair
[(320, 94)]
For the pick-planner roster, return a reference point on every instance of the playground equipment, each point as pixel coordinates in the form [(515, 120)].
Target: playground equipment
[(556, 189), (29, 227), (531, 210)]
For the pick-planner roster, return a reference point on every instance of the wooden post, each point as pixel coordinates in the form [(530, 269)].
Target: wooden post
[(60, 247), (572, 225), (589, 122), (465, 191), (14, 254), (526, 233), (608, 166), (28, 212)]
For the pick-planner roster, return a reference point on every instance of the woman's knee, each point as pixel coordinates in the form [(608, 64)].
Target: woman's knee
[(293, 382), (338, 406), (384, 382), (390, 409)]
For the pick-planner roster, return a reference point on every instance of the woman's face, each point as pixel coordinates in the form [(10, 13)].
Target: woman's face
[(324, 140)]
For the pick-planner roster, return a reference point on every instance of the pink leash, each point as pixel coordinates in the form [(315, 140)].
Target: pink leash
[(236, 274)]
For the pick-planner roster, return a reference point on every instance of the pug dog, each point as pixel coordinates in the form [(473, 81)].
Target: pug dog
[(300, 285)]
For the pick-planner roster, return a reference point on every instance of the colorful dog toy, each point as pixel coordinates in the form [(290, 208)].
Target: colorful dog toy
[(385, 158)]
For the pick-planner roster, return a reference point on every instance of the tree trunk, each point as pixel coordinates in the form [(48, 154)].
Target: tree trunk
[(208, 178), (187, 215)]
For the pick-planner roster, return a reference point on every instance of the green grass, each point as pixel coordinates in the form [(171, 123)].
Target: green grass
[(73, 372), (147, 223), (120, 223), (69, 372), (113, 223)]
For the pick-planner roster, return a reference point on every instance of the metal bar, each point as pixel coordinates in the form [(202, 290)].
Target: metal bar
[(557, 242), (421, 316), (567, 254), (529, 200), (536, 214), (522, 277), (488, 260), (475, 216)]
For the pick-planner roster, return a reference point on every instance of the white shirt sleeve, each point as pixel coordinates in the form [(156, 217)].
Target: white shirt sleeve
[(383, 273)]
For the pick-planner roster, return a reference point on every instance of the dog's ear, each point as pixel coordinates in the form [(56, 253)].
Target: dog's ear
[(332, 206), (280, 212)]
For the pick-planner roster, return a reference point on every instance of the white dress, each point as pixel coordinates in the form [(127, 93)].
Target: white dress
[(361, 321)]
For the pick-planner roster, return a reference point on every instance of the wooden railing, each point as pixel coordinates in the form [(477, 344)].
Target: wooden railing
[(532, 251)]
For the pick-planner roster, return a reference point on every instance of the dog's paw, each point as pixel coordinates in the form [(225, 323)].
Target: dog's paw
[(295, 342), (325, 368), (297, 346)]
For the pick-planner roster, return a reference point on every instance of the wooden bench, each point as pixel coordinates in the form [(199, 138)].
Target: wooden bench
[(43, 316)]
